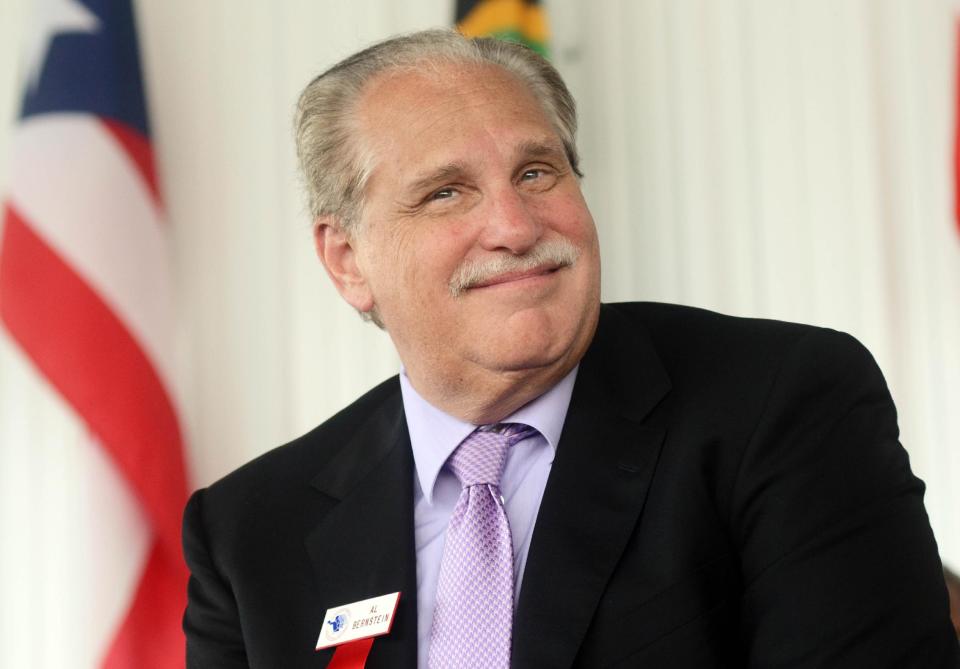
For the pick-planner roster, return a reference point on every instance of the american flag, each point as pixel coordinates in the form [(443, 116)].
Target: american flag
[(85, 291)]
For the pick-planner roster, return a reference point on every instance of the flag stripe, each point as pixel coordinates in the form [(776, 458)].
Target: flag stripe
[(140, 152), (68, 173), (146, 635), (73, 336)]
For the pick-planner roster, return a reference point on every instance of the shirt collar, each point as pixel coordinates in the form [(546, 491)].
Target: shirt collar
[(434, 435)]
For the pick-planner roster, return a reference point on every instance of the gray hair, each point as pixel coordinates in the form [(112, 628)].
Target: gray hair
[(333, 165)]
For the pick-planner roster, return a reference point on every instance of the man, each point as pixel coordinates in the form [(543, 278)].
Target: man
[(678, 488)]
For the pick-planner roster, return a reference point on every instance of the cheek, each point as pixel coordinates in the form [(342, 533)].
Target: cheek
[(410, 277), (439, 250), (566, 213)]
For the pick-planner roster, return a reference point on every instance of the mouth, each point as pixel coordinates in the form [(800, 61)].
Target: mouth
[(517, 276), (505, 269)]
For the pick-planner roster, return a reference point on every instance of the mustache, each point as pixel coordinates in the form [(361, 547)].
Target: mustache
[(555, 253)]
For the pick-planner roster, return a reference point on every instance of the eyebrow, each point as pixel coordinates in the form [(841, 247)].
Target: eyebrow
[(541, 149), (434, 176)]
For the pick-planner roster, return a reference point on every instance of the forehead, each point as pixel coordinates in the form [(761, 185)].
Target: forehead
[(447, 112), (440, 87)]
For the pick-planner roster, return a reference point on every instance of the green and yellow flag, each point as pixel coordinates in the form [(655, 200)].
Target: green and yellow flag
[(522, 21)]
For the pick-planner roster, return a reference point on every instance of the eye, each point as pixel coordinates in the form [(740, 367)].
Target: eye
[(537, 179), (443, 193)]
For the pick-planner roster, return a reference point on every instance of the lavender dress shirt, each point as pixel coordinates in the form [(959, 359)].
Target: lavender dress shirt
[(434, 435)]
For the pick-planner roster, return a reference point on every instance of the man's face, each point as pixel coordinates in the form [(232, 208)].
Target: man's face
[(474, 243)]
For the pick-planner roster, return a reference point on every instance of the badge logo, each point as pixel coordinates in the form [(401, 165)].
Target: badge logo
[(337, 625)]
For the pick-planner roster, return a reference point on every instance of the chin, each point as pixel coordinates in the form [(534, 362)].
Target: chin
[(518, 349), (524, 361), (536, 336)]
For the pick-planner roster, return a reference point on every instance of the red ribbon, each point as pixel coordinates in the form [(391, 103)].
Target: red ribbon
[(351, 655)]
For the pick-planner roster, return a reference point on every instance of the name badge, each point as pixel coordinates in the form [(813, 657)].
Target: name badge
[(360, 620)]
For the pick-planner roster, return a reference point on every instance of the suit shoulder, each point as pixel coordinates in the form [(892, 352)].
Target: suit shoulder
[(670, 320), (693, 333), (306, 455), (729, 358)]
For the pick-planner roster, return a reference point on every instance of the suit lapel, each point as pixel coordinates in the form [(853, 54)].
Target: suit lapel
[(595, 494), (364, 547)]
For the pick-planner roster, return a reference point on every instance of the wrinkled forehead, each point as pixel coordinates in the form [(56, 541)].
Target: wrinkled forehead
[(434, 77), (414, 107), (418, 92)]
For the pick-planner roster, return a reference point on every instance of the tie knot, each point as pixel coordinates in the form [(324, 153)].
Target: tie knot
[(481, 456)]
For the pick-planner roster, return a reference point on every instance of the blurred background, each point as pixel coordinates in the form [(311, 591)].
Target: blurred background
[(774, 158)]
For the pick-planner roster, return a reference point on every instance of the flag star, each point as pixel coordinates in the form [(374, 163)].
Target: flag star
[(52, 18)]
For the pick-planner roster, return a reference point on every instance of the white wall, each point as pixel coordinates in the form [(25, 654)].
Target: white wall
[(761, 157)]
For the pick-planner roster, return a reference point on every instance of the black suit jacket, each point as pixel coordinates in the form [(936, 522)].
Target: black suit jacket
[(726, 492)]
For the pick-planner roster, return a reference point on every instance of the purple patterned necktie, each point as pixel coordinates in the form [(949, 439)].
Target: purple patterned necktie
[(473, 618)]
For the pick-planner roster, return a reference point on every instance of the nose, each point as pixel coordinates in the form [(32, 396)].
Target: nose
[(511, 223)]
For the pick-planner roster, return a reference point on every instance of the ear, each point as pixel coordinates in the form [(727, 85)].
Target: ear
[(336, 250)]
